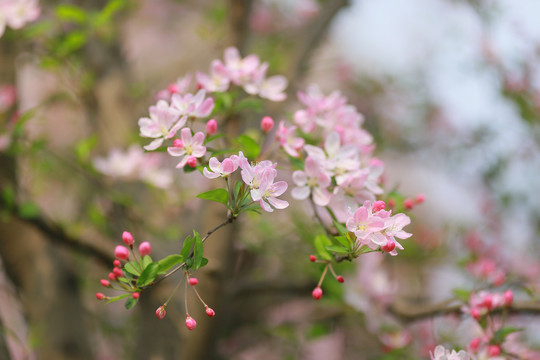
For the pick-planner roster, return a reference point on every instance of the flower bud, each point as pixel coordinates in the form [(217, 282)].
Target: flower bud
[(121, 252), (419, 198), (193, 281), (475, 313), (105, 283), (408, 203), (312, 258), (210, 312), (317, 293), (192, 161), (112, 277), (508, 297), (177, 143), (100, 296), (173, 88), (160, 312), (340, 279), (494, 350), (117, 272), (391, 203), (474, 344), (190, 323), (117, 263), (145, 248), (211, 127), (128, 238), (390, 245), (136, 295), (267, 123), (488, 301), (378, 206)]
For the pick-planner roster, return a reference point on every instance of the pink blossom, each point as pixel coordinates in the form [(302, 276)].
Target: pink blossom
[(223, 169), (192, 146), (367, 226), (145, 248), (440, 353), (193, 105), (8, 95), (163, 124), (211, 127), (267, 124), (16, 13), (269, 88), (121, 252), (240, 70), (217, 81), (313, 180), (127, 238), (181, 86), (286, 138), (269, 192)]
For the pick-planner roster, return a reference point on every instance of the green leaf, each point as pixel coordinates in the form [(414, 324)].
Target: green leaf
[(186, 248), (297, 163), (148, 275), (133, 267), (344, 240), (462, 294), (28, 210), (119, 297), (130, 303), (124, 280), (250, 103), (168, 262), (71, 13), (112, 8), (321, 241), (250, 146), (197, 251), (213, 137), (337, 249), (204, 262), (219, 195), (500, 335), (146, 260), (84, 147), (71, 43), (342, 230)]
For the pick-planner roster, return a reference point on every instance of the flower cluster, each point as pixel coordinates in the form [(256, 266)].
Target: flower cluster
[(135, 164), (16, 13), (483, 302), (440, 353)]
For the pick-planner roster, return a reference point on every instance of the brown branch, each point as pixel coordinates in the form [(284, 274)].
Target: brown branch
[(408, 312), (239, 20)]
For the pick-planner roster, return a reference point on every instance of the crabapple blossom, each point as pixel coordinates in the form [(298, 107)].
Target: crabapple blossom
[(270, 191), (217, 81), (223, 169), (193, 105), (440, 353), (16, 13), (367, 226), (313, 180), (179, 87), (240, 70), (288, 141), (271, 88), (163, 124), (192, 146)]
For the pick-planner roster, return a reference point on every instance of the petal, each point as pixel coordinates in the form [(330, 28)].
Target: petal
[(214, 164), (154, 144), (210, 175), (278, 203), (299, 177), (332, 143), (300, 193), (279, 188), (265, 206), (321, 197), (186, 136), (176, 151)]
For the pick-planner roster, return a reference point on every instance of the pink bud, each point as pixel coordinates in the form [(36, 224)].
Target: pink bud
[(340, 279), (128, 238), (192, 161), (177, 143), (136, 295), (419, 198), (210, 312), (494, 350), (317, 293), (121, 252), (117, 272), (378, 206), (391, 203), (475, 344), (105, 283), (112, 277), (116, 263), (193, 281), (211, 127), (267, 123), (190, 323), (390, 245), (160, 312), (408, 203), (145, 248), (173, 88), (312, 258), (100, 296), (475, 313), (508, 297), (488, 301)]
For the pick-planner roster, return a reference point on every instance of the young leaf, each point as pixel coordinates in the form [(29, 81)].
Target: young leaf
[(321, 241), (500, 335), (337, 249), (219, 195), (116, 298), (148, 275), (342, 230), (250, 146), (204, 261), (462, 294), (343, 240), (133, 267), (28, 210), (168, 262), (130, 303), (146, 260), (213, 137), (187, 247), (70, 13), (198, 251)]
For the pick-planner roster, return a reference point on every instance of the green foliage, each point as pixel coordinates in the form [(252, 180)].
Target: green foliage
[(168, 262), (133, 268), (500, 335), (119, 297), (321, 242), (249, 146), (84, 147), (218, 195), (462, 294), (71, 13), (198, 251), (186, 248), (130, 303), (148, 275)]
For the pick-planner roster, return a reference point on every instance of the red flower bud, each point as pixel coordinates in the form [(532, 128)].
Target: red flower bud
[(173, 88), (160, 312), (340, 279), (100, 296), (390, 245), (488, 301), (211, 127), (210, 312), (190, 323), (475, 344), (177, 143), (105, 283), (112, 277), (128, 238), (475, 313), (118, 272), (145, 248), (136, 295), (317, 293), (408, 203), (312, 258), (193, 281), (378, 206), (267, 123), (192, 161), (508, 297), (419, 198), (117, 263), (494, 350), (121, 252)]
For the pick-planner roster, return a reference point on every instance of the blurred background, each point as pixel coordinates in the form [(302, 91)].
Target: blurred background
[(450, 90)]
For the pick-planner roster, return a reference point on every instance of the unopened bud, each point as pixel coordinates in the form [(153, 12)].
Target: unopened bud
[(117, 263), (173, 88), (192, 161), (267, 123), (100, 296), (112, 277), (121, 252), (474, 344), (408, 203), (488, 301), (193, 281), (210, 312), (211, 127), (508, 297), (117, 272), (136, 295), (390, 245), (105, 283), (312, 258), (494, 350), (317, 293), (160, 312), (145, 248), (340, 279), (378, 206), (419, 198), (177, 143), (190, 323), (128, 238), (475, 313)]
